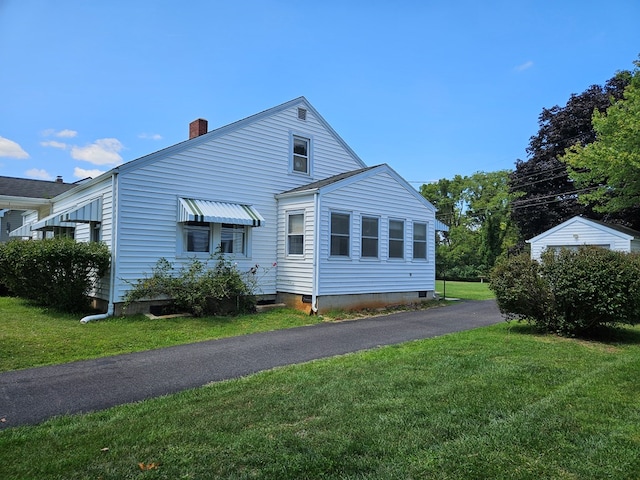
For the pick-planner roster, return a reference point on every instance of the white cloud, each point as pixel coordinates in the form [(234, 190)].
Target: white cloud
[(66, 133), (9, 148), (82, 173), (103, 151), (150, 136), (38, 174), (524, 66), (54, 144)]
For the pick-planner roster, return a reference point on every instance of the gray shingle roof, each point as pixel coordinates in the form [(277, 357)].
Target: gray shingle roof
[(28, 188), (329, 181)]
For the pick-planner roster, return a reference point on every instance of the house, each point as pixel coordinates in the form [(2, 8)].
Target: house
[(20, 197), (579, 231), (279, 189)]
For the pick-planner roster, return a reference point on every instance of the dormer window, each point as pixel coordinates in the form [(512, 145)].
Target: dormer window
[(300, 155)]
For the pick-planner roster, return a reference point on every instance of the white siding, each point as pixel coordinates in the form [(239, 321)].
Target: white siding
[(295, 273), (578, 232), (381, 196), (248, 164)]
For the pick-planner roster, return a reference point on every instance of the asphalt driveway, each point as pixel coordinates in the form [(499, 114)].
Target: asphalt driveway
[(33, 395)]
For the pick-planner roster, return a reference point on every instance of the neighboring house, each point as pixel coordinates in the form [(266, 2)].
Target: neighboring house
[(279, 189), (579, 231), (23, 197)]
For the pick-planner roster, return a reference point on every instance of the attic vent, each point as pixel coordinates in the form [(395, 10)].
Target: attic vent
[(302, 113)]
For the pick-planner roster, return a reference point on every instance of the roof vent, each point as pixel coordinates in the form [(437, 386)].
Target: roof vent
[(59, 179), (302, 113)]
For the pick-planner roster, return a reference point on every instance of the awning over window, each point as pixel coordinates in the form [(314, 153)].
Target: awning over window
[(192, 210), (84, 213), (23, 231)]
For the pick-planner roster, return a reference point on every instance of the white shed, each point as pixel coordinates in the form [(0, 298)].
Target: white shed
[(579, 231)]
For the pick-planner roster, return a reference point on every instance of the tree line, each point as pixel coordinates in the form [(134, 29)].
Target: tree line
[(584, 160)]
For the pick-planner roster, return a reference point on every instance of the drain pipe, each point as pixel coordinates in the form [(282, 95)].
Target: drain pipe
[(316, 254), (112, 273)]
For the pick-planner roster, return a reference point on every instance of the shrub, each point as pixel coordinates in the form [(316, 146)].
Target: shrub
[(57, 272), (570, 292), (197, 288)]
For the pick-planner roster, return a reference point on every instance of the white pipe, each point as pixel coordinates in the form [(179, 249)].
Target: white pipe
[(316, 255), (114, 221), (99, 316)]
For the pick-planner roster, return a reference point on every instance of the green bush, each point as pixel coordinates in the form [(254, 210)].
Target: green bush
[(570, 292), (197, 288), (57, 272)]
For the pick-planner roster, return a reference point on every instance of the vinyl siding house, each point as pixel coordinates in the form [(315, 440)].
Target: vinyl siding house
[(279, 189), (579, 231)]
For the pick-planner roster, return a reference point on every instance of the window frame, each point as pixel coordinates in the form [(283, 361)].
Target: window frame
[(234, 227), (294, 136), (340, 235), (188, 227), (290, 234), (364, 237), (420, 241), (396, 240)]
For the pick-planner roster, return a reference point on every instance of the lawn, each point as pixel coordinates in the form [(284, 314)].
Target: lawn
[(496, 402), (464, 290)]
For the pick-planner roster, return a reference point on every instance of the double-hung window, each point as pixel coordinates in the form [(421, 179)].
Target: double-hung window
[(295, 234), (300, 160), (340, 234), (396, 239), (369, 238), (420, 241)]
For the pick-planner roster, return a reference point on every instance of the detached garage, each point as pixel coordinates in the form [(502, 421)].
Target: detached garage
[(579, 231)]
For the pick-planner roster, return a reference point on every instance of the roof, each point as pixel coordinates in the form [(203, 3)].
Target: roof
[(28, 188), (328, 181), (616, 230)]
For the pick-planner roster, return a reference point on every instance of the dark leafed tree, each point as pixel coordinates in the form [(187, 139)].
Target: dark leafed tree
[(544, 194)]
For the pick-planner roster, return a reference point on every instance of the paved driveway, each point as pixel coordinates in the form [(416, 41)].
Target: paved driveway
[(33, 395)]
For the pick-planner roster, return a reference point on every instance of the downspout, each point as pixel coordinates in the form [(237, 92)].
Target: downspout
[(114, 248), (316, 254)]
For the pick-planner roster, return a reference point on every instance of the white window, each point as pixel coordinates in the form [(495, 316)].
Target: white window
[(420, 241), (370, 237), (295, 234), (396, 239), (340, 232), (233, 239), (197, 237), (300, 160)]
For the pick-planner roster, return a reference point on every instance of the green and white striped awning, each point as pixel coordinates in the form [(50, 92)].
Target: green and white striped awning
[(84, 213), (194, 210)]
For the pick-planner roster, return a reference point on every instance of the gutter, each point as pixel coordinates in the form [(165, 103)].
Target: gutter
[(114, 249)]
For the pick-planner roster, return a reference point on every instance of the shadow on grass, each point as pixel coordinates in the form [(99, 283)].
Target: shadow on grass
[(604, 334)]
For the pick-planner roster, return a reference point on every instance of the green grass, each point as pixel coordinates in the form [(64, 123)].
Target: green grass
[(464, 290), (496, 402), (31, 336)]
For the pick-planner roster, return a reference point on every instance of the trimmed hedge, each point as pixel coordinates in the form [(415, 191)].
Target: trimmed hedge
[(57, 272), (570, 292)]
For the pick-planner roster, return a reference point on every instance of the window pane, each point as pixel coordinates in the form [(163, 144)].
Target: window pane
[(370, 247), (197, 239), (340, 223), (419, 249), (396, 229), (340, 246), (296, 223), (420, 231), (369, 227), (232, 238), (296, 245), (420, 240), (300, 155)]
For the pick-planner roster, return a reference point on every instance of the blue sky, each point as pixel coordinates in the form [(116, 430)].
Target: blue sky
[(433, 88)]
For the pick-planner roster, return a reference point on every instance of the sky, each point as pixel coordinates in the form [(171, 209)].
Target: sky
[(432, 88)]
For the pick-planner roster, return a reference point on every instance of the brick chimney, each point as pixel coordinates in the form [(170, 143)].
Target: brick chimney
[(198, 127)]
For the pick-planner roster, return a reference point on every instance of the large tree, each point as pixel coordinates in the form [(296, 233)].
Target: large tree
[(607, 171), (544, 194), (476, 209)]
